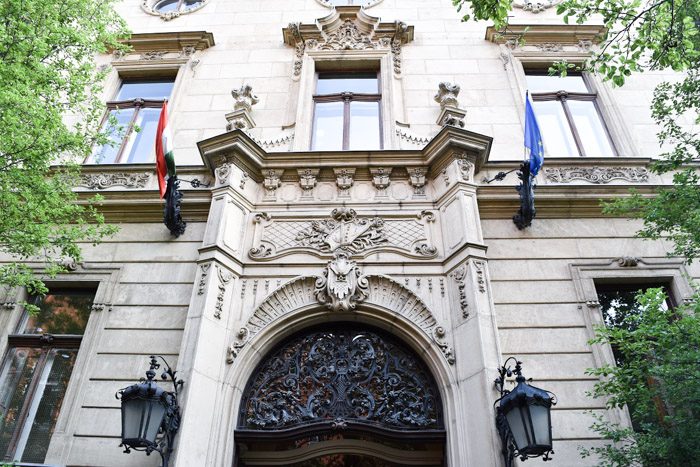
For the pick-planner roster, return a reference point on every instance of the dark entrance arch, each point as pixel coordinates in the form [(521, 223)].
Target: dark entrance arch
[(344, 395)]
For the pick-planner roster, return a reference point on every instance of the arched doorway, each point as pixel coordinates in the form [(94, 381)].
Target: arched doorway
[(341, 395)]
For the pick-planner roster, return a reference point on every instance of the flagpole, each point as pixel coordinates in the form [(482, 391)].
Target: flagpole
[(527, 91)]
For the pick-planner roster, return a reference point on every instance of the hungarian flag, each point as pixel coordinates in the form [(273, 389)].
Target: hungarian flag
[(165, 161)]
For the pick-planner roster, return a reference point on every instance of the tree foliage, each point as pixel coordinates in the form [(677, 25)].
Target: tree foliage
[(657, 379), (49, 113)]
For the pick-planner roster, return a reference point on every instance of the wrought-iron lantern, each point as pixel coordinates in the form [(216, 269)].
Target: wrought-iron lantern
[(150, 414), (523, 417)]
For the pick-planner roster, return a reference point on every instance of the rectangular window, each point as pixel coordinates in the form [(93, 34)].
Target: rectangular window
[(347, 112), (568, 115), (36, 371), (131, 122)]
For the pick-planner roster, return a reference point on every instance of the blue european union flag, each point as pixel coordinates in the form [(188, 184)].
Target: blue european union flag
[(533, 138)]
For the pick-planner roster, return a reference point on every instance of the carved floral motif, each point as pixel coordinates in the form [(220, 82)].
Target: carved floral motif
[(108, 180), (344, 230), (416, 177), (536, 6), (596, 174)]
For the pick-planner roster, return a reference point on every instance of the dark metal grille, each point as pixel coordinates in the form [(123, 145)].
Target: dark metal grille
[(341, 375)]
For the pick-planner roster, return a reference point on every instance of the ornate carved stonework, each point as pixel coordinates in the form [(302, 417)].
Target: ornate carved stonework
[(224, 278), (596, 174), (447, 94), (307, 181), (549, 47), (412, 139), (153, 55), (460, 278), (271, 182), (108, 180), (203, 278), (222, 173), (377, 290), (536, 6), (480, 275), (342, 287), (360, 33), (344, 180), (339, 374), (416, 177), (380, 179), (244, 99), (346, 230), (466, 168), (627, 261)]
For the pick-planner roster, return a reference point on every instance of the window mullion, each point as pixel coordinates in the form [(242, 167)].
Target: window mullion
[(346, 122), (572, 125)]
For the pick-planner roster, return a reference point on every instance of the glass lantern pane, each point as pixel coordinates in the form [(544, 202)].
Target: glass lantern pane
[(364, 125), (540, 424), (557, 136), (590, 128), (155, 420), (133, 418), (328, 127), (517, 421), (46, 405)]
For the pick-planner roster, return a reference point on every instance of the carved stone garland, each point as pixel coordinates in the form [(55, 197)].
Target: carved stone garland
[(342, 288), (107, 180), (596, 174), (337, 375)]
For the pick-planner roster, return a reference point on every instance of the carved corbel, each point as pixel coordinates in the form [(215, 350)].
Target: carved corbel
[(416, 177), (381, 180), (344, 180), (271, 182), (466, 168), (307, 181), (222, 173)]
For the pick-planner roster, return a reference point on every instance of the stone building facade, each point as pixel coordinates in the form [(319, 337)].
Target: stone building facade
[(406, 240)]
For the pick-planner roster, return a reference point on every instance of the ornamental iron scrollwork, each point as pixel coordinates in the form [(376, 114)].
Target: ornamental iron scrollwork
[(341, 374)]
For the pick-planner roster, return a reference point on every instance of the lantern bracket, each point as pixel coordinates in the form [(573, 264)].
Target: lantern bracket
[(509, 449), (165, 438)]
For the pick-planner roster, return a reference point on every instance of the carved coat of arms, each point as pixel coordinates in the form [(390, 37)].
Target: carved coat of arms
[(341, 286), (345, 231)]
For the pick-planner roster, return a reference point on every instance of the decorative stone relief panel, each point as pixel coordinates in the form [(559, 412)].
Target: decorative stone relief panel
[(344, 230), (374, 289), (103, 181), (596, 174), (535, 7)]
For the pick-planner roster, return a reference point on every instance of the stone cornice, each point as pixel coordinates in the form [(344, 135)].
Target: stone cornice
[(170, 41), (449, 144), (565, 34)]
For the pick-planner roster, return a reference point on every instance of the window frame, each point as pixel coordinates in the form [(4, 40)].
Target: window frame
[(347, 98), (620, 271), (138, 104), (44, 343), (101, 278), (563, 97)]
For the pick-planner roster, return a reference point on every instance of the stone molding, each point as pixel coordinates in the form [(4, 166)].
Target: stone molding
[(450, 143), (379, 290), (563, 34), (170, 41), (347, 28), (344, 230), (596, 174)]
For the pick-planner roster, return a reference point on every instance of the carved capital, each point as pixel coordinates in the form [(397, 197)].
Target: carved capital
[(344, 180), (447, 94), (380, 179), (272, 181), (307, 181)]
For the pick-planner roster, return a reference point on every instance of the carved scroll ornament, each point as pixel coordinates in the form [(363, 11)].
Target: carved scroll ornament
[(596, 174), (107, 180)]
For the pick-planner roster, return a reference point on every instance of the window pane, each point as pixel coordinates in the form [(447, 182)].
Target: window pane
[(15, 381), (328, 127), (141, 144), (145, 89), (544, 83), (108, 153), (557, 136), (46, 405), (189, 4), (60, 312), (332, 83), (590, 128), (364, 125)]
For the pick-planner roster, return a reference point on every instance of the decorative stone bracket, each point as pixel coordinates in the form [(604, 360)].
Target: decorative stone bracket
[(342, 288), (450, 113), (347, 28)]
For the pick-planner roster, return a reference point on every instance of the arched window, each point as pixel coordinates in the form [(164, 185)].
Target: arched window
[(341, 396)]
